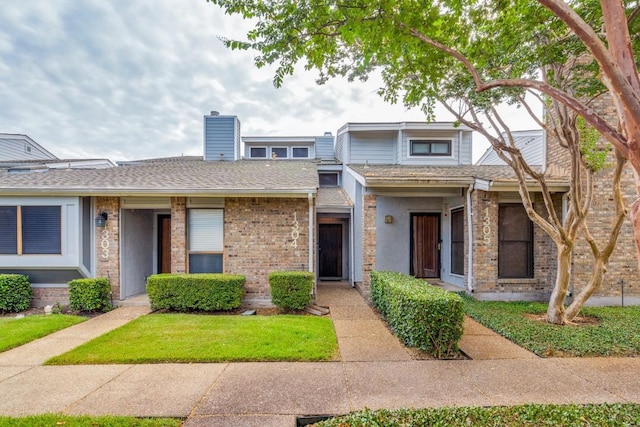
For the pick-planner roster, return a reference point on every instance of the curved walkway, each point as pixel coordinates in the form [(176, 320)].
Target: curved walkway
[(375, 371)]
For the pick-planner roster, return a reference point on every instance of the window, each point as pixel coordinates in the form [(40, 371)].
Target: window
[(328, 179), (279, 152), (515, 242), (33, 230), (419, 147), (258, 152), (300, 152), (206, 240), (457, 241)]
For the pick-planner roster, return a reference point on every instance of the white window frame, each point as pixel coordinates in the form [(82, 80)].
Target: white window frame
[(410, 142), (212, 246), (271, 148), (305, 157), (266, 152)]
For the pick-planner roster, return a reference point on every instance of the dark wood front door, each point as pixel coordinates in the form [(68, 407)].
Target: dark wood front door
[(164, 243), (330, 250), (425, 245)]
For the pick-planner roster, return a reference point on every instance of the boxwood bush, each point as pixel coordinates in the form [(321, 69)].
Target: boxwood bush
[(421, 315), (291, 289), (90, 295), (15, 293), (195, 292)]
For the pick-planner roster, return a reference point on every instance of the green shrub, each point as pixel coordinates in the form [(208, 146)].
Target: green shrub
[(195, 292), (90, 294), (15, 293), (421, 315), (291, 289)]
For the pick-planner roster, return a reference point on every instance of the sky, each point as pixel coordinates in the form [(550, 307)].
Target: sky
[(132, 79)]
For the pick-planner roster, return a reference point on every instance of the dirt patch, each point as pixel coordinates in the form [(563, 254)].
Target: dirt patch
[(578, 321)]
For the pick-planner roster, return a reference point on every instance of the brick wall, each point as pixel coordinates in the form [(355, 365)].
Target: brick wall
[(46, 296), (623, 263), (487, 284), (369, 237), (258, 239), (108, 243), (178, 234)]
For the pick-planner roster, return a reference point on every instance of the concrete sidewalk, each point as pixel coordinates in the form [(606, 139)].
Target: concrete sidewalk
[(375, 371)]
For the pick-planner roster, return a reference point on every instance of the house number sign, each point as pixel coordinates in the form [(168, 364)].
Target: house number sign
[(486, 226), (104, 244), (295, 232)]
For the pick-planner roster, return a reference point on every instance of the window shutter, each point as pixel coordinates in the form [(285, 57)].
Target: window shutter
[(206, 230)]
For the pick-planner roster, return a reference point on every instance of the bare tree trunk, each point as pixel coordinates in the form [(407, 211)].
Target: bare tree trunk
[(555, 311), (599, 268)]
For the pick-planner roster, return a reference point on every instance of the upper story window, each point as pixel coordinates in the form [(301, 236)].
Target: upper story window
[(279, 152), (300, 152), (329, 179), (258, 152), (34, 230), (430, 147)]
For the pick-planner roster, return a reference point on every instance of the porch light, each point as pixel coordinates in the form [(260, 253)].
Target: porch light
[(101, 219), (388, 219)]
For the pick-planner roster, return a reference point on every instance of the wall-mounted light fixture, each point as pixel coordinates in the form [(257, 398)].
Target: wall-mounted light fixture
[(388, 219), (101, 219)]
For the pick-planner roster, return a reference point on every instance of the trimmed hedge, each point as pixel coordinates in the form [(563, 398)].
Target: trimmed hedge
[(421, 315), (195, 292), (291, 289), (15, 293), (90, 294)]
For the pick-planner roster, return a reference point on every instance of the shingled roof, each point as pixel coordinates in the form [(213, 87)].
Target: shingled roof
[(440, 176), (179, 175)]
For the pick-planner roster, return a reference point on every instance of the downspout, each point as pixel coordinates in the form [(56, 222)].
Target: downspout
[(470, 238), (311, 233), (352, 250)]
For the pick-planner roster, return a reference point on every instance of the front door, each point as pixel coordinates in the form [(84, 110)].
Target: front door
[(330, 251), (164, 243), (425, 245)]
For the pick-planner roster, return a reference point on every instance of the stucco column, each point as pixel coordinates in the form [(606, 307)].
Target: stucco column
[(178, 235)]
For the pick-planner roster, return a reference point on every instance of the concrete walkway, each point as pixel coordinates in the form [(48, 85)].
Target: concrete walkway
[(375, 371)]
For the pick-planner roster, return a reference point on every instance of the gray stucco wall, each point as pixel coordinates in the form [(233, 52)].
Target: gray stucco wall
[(394, 240)]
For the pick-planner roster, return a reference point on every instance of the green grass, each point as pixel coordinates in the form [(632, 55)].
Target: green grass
[(160, 338), (610, 415), (15, 332), (55, 420), (617, 332)]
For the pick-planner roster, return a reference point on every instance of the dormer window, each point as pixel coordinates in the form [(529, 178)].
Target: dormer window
[(300, 152), (429, 147), (279, 152), (328, 179), (258, 152)]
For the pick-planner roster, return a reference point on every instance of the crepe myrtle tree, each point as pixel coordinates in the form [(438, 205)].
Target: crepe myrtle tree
[(502, 46)]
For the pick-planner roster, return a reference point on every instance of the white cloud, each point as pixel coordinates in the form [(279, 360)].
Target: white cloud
[(132, 79)]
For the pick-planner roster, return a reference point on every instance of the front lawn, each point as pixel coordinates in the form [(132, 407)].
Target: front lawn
[(56, 420), (160, 338), (615, 331), (15, 332), (610, 415)]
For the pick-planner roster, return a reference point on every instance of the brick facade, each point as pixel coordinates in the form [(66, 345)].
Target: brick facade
[(108, 243), (486, 282), (178, 234), (46, 296), (623, 266), (259, 239), (369, 237)]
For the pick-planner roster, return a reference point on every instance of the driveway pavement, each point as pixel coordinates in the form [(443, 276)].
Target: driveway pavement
[(375, 371)]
